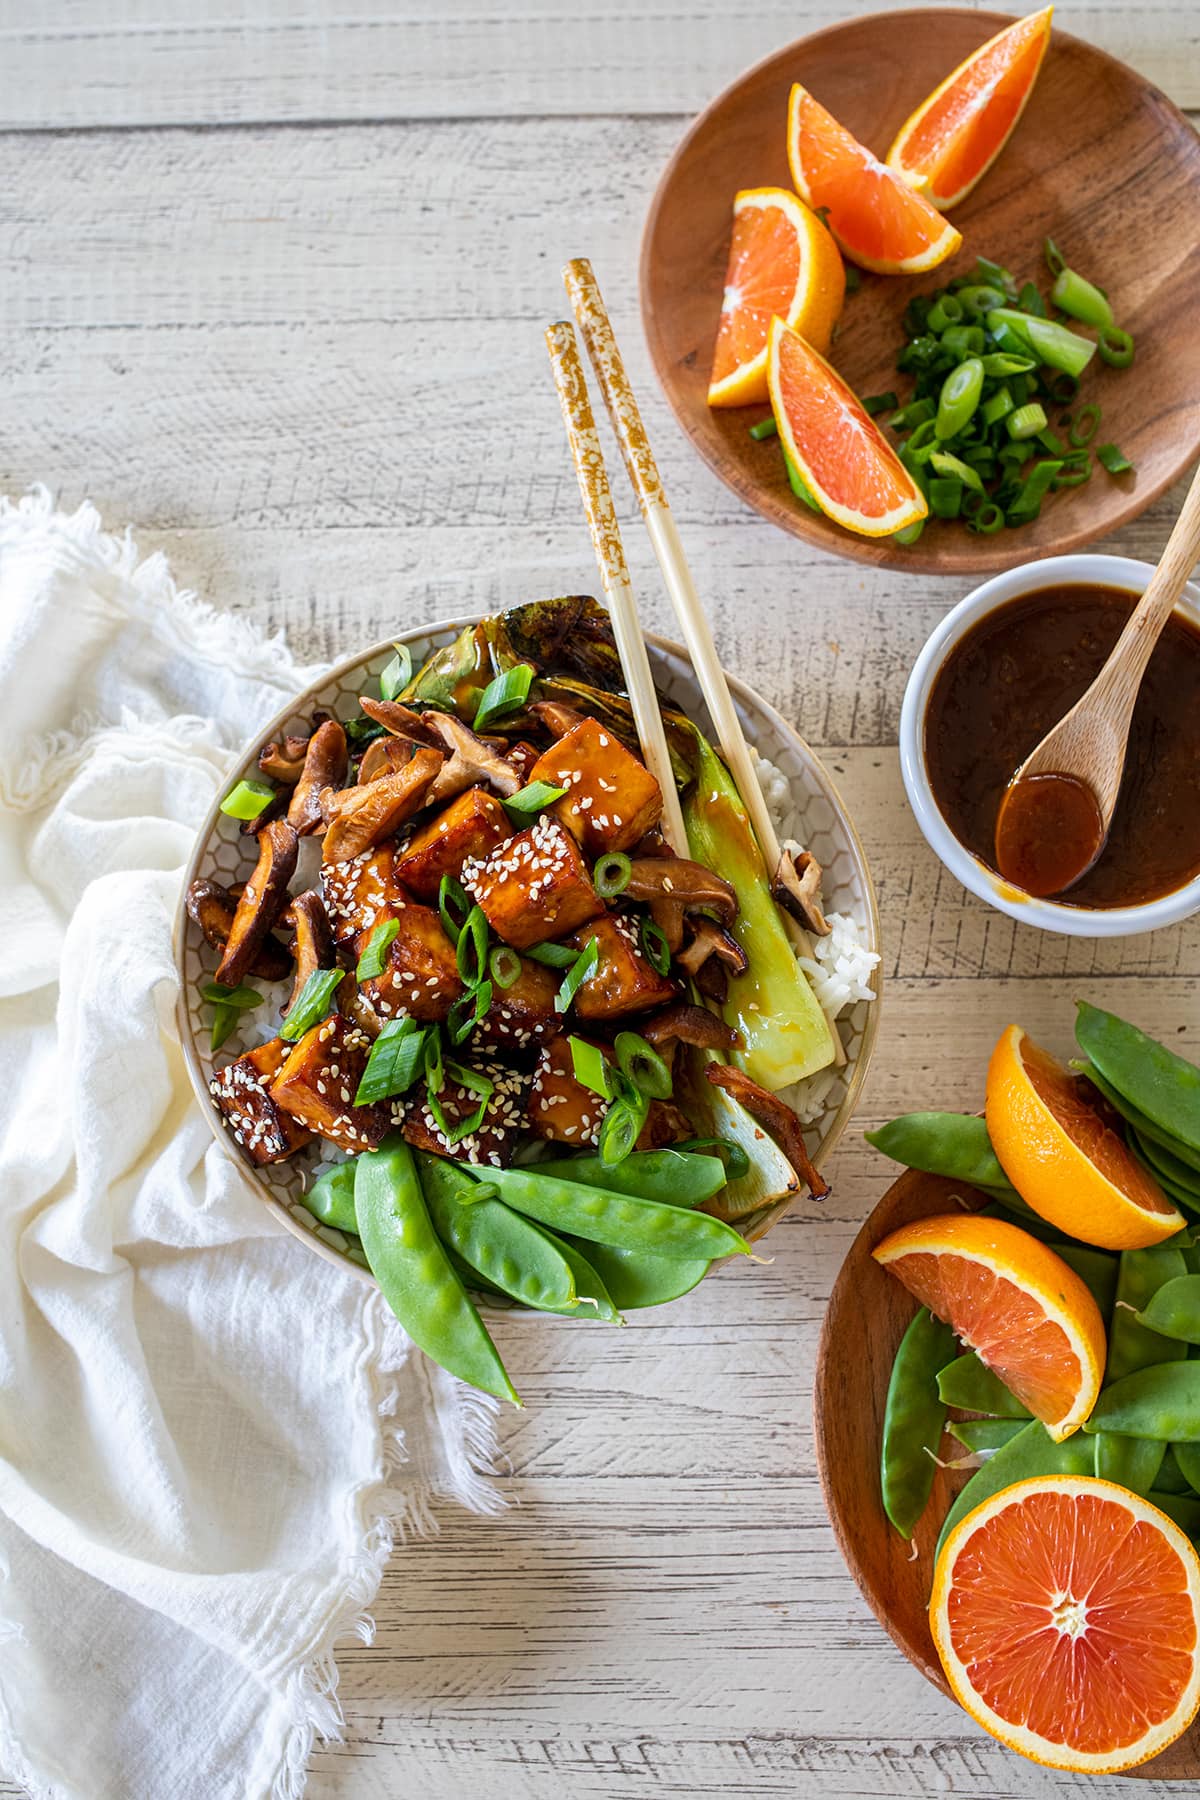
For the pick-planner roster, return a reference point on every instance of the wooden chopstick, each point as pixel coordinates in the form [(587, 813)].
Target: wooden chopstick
[(592, 475), (595, 326)]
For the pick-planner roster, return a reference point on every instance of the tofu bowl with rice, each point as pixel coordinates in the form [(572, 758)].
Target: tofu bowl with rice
[(471, 1024)]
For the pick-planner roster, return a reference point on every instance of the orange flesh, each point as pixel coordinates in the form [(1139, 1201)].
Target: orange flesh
[(1001, 1322), (1067, 1099), (964, 128), (1130, 1655), (764, 267), (872, 212), (851, 462)]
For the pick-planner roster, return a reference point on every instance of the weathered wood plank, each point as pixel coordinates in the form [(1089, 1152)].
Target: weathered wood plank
[(138, 62)]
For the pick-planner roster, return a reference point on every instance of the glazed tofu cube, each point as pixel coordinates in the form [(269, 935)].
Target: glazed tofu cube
[(624, 982), (420, 979), (560, 1107), (535, 887), (522, 756), (470, 826), (361, 893), (523, 1013), (319, 1080), (497, 1135), (612, 799), (240, 1093)]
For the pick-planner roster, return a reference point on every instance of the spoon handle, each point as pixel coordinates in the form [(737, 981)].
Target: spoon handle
[(1117, 685)]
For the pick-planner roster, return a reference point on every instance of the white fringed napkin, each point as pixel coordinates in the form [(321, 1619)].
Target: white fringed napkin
[(208, 1436)]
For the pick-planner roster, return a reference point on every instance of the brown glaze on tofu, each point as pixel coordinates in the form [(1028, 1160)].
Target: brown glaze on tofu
[(525, 1012), (560, 1107), (612, 800), (420, 979), (624, 982), (319, 1080), (240, 1094), (361, 893), (535, 887), (499, 1131), (470, 826)]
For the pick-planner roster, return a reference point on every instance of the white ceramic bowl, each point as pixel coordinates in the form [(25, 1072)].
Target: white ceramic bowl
[(814, 813), (1047, 915)]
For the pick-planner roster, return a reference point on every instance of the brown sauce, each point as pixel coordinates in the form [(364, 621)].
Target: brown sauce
[(1013, 676)]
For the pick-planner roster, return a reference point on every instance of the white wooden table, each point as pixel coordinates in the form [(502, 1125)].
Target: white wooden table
[(274, 280)]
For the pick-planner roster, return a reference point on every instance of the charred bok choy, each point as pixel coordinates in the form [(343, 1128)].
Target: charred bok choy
[(549, 1048)]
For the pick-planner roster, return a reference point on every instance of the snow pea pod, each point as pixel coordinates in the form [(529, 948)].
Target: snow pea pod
[(1140, 1274), (913, 1420), (593, 1300), (1163, 1086), (677, 1177), (1184, 1509), (1096, 1268), (966, 1383), (620, 1219), (636, 1278), (1032, 1452), (1167, 1163), (985, 1434), (1136, 1119), (1132, 1463), (1187, 1460), (1162, 1401), (1183, 1197), (331, 1197), (1174, 1310), (492, 1239), (1171, 1477), (956, 1145), (415, 1274)]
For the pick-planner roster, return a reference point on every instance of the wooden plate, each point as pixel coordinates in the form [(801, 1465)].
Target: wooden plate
[(1101, 161), (867, 1316)]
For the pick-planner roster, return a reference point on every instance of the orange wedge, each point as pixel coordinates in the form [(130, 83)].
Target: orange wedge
[(1014, 1302), (782, 262), (878, 220), (1062, 1155), (956, 135), (1066, 1612), (849, 467)]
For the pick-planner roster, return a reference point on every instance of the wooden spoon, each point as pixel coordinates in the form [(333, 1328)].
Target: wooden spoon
[(1056, 812)]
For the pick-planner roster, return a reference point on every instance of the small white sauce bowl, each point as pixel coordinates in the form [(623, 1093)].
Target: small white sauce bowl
[(1047, 915)]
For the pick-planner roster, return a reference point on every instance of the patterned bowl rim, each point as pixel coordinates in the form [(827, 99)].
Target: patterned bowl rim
[(338, 672)]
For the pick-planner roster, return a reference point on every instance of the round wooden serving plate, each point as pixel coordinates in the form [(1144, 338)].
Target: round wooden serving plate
[(867, 1316), (1101, 161)]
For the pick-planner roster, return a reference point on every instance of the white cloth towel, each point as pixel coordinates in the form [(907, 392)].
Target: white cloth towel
[(209, 1437)]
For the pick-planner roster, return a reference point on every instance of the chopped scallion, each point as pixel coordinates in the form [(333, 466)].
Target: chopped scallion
[(247, 799), (504, 966), (584, 965), (1085, 425), (611, 874), (1116, 347), (1026, 421), (467, 1011), (1079, 299), (766, 428), (591, 1067), (503, 695), (798, 484), (398, 673), (879, 403), (371, 962), (640, 1063), (1113, 459), (554, 956), (530, 800), (471, 950), (396, 1059), (655, 947), (453, 905), (315, 999)]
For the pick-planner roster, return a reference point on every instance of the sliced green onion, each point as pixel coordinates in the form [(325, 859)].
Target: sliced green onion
[(621, 1129), (1116, 347), (247, 799), (798, 484), (373, 958), (988, 519), (997, 406), (454, 905), (396, 1059), (467, 1011), (946, 310), (1028, 502), (960, 341), (591, 1067), (585, 964), (1085, 425), (1030, 301), (1056, 262), (766, 428), (475, 1083), (1026, 421), (995, 275), (240, 998), (503, 695), (1074, 472), (640, 1063), (737, 1163), (959, 397), (853, 279), (610, 876), (980, 299), (554, 956), (997, 365), (908, 534), (1062, 388), (1020, 387), (655, 947), (432, 1063), (972, 503), (398, 674), (1049, 343), (878, 403), (316, 997), (954, 468), (945, 497), (1078, 298), (1113, 459), (915, 413), (504, 966), (471, 951), (530, 800), (1050, 441)]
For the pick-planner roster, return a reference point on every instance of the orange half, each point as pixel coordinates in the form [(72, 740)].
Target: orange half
[(782, 262), (878, 220), (1066, 1612), (1062, 1155), (1014, 1302), (956, 135), (848, 466)]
